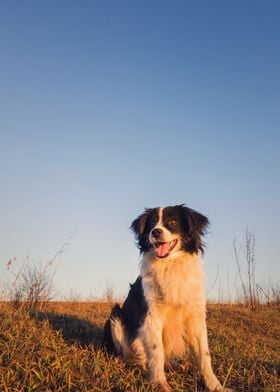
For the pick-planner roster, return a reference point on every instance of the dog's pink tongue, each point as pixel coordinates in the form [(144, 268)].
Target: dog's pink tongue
[(162, 249)]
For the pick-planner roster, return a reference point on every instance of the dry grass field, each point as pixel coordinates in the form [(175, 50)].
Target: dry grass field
[(58, 349)]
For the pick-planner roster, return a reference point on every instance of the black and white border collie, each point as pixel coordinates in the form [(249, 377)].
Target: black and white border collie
[(166, 306)]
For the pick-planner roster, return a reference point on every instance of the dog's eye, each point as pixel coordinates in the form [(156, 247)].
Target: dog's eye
[(173, 223)]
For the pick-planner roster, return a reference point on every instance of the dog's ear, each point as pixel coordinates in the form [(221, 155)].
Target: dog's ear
[(196, 226), (138, 225), (198, 222)]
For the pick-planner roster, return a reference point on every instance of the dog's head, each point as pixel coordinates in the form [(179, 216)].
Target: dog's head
[(170, 229)]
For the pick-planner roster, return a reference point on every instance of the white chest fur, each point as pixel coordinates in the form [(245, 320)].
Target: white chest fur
[(174, 281)]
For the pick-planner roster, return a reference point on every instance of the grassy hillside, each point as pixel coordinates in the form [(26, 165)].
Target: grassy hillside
[(58, 350)]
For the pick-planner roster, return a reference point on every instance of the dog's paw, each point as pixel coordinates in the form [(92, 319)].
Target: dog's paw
[(220, 388), (164, 386)]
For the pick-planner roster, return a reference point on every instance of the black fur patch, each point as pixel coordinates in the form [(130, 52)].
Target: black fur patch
[(135, 308), (194, 226), (142, 227)]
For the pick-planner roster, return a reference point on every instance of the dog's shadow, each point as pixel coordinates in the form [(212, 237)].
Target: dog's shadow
[(73, 329)]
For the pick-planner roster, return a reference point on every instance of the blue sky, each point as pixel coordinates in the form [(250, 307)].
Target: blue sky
[(107, 107)]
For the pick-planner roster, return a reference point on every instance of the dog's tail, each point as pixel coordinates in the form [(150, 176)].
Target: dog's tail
[(116, 340), (113, 331)]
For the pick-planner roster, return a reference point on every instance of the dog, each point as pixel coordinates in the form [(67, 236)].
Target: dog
[(166, 306)]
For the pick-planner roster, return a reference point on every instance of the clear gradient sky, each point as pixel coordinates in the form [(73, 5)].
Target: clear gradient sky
[(107, 107)]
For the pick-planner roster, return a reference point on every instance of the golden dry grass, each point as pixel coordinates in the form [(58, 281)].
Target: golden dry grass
[(58, 349)]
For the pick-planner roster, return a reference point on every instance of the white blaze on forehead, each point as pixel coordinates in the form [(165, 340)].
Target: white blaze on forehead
[(167, 236), (160, 213), (167, 241)]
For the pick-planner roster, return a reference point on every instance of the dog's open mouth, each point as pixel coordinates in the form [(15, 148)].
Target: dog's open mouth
[(163, 249)]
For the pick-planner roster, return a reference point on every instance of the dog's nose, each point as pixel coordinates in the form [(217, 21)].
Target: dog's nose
[(156, 233)]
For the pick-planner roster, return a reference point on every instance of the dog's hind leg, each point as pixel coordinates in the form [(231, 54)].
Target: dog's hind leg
[(115, 335)]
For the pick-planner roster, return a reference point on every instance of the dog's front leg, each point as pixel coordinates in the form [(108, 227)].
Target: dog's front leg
[(199, 342), (151, 336)]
